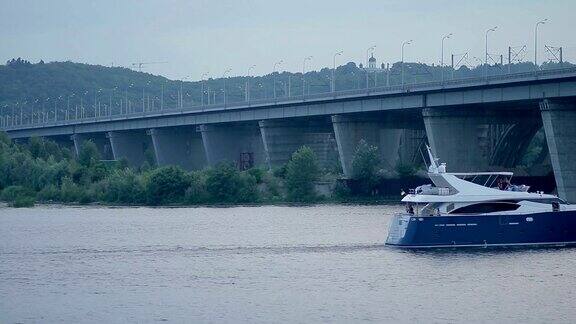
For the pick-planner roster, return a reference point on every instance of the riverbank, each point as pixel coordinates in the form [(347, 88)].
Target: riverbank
[(42, 171), (352, 202)]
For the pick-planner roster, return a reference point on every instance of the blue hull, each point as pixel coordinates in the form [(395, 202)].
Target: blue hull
[(550, 228)]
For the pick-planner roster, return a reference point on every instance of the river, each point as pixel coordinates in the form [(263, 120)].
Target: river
[(261, 265)]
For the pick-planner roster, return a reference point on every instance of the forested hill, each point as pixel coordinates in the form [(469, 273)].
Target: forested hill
[(67, 83)]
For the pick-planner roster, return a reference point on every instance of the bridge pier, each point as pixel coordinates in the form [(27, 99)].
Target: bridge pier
[(239, 144), (132, 145), (411, 148), (472, 139), (180, 146), (350, 130), (559, 119), (100, 139), (282, 138)]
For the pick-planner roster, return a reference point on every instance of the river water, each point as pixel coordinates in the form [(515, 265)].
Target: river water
[(261, 265)]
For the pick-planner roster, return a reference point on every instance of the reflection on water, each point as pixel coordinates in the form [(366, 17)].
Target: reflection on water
[(261, 264)]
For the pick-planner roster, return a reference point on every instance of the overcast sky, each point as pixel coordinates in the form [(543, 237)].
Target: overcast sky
[(197, 36)]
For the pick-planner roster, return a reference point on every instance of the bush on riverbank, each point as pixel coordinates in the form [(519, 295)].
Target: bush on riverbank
[(44, 171), (301, 172), (18, 196), (365, 166)]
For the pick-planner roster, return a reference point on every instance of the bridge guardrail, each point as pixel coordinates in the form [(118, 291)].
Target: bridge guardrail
[(394, 89)]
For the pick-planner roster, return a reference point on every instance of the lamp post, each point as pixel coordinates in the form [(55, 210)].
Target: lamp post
[(34, 105), (247, 90), (162, 95), (181, 92), (56, 109), (22, 112), (368, 50), (204, 75), (68, 106), (112, 92), (308, 58), (541, 22), (274, 75), (442, 56), (402, 60), (224, 77), (127, 104), (486, 52), (333, 83)]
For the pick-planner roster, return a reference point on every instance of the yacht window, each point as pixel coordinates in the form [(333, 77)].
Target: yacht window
[(549, 201), (483, 208)]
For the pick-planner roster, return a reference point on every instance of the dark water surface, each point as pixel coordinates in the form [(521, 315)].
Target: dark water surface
[(261, 265)]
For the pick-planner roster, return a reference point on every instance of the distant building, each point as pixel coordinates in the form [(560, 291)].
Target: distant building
[(373, 66), (372, 62)]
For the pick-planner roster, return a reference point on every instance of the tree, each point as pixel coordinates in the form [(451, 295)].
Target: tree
[(167, 185), (88, 154), (301, 173), (124, 186), (365, 165), (225, 184)]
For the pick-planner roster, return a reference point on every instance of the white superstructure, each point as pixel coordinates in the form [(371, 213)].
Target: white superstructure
[(453, 194)]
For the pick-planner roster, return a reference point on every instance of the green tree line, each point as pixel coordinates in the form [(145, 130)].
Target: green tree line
[(40, 170)]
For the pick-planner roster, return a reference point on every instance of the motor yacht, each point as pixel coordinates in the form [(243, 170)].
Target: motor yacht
[(480, 209)]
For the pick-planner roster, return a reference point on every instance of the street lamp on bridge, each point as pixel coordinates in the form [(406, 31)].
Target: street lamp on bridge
[(442, 55), (368, 50), (224, 77), (247, 90), (333, 83), (541, 22), (308, 58), (486, 52), (402, 60), (203, 80), (274, 75)]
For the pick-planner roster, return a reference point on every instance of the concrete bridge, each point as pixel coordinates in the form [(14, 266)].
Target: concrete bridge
[(472, 124)]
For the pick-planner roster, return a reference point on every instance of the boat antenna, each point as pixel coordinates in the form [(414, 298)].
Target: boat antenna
[(423, 157), (433, 161)]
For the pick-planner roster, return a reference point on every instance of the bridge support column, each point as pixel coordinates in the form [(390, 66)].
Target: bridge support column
[(350, 131), (134, 146), (457, 137), (412, 142), (178, 146), (239, 144), (477, 139), (100, 139), (282, 138), (559, 119)]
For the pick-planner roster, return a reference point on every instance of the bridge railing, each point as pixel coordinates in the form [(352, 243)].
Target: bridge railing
[(344, 94)]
